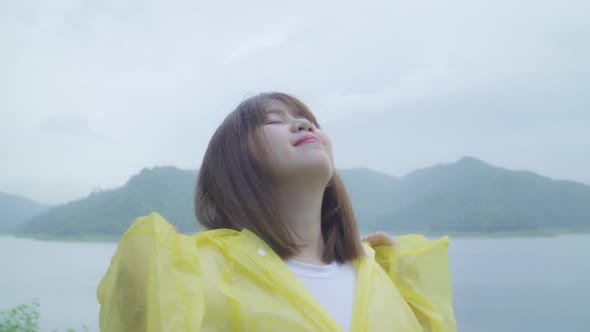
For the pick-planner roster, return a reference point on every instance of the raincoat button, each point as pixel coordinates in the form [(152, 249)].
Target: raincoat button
[(261, 252)]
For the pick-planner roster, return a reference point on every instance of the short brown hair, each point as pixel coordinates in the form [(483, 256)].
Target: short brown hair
[(233, 188)]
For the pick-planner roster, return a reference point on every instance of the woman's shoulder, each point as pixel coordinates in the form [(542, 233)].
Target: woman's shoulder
[(163, 235), (152, 225)]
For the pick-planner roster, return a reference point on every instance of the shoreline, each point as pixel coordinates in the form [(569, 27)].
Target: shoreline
[(541, 233)]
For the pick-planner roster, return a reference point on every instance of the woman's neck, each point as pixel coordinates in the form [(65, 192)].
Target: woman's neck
[(301, 205)]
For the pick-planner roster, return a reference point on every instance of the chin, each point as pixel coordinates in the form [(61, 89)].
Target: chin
[(317, 167)]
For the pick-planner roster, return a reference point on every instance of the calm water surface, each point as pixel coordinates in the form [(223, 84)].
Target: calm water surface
[(500, 284)]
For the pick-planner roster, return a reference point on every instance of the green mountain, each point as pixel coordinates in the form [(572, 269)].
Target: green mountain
[(472, 196), (371, 194), (16, 209), (466, 196), (167, 190)]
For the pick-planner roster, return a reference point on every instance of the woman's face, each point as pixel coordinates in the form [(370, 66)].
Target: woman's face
[(294, 145)]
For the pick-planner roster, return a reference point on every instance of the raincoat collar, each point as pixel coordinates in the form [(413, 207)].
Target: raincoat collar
[(252, 253)]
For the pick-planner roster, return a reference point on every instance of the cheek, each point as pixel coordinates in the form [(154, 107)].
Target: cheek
[(328, 145), (261, 145), (271, 141), (331, 154)]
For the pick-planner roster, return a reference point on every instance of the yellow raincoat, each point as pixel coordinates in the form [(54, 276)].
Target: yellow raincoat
[(225, 280)]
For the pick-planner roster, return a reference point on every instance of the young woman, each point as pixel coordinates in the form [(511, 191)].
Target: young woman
[(280, 250)]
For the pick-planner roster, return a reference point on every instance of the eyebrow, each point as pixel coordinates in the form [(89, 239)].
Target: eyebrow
[(277, 112)]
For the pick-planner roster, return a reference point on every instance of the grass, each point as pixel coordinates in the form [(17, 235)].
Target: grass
[(24, 318)]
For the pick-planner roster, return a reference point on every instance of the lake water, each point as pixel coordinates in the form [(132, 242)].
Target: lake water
[(499, 284)]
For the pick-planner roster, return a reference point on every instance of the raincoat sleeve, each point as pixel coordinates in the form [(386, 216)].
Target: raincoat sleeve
[(419, 268), (153, 282)]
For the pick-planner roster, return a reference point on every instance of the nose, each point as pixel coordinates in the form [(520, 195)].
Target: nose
[(302, 125)]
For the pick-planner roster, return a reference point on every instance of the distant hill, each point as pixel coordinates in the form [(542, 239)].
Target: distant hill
[(16, 209), (372, 194), (472, 196), (466, 196), (167, 190)]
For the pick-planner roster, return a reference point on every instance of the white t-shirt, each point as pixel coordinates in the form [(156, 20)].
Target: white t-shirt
[(332, 285)]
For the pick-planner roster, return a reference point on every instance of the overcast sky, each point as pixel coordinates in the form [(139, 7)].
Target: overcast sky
[(91, 92)]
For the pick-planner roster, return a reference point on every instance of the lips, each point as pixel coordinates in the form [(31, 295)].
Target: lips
[(307, 139)]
